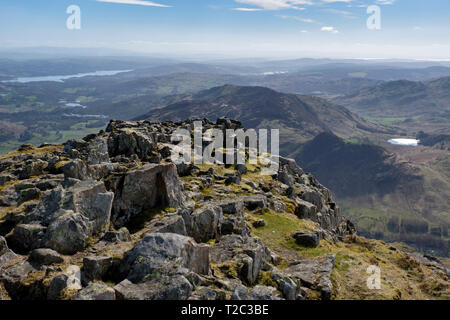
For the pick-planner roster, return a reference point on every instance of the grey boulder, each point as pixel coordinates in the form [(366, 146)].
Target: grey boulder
[(151, 186), (315, 274), (162, 288), (96, 291), (160, 253), (307, 239), (45, 257)]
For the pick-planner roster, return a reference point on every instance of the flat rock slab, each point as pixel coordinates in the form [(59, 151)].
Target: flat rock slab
[(45, 257), (162, 253), (161, 288), (96, 291)]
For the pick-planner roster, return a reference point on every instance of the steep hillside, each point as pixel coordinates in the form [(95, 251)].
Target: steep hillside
[(386, 197), (374, 184), (341, 165), (111, 217), (401, 99), (298, 117)]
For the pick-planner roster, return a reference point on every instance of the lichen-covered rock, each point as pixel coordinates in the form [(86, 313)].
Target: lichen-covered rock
[(28, 194), (4, 178), (259, 223), (284, 177), (206, 223), (290, 166), (3, 246), (255, 202), (45, 257), (31, 168), (13, 276), (117, 236), (257, 293), (99, 267), (7, 256), (305, 210), (127, 139), (170, 224), (97, 151), (288, 287), (315, 274), (67, 217), (96, 291), (206, 293), (146, 188), (114, 204), (79, 169), (26, 237), (76, 169), (241, 168), (233, 178), (160, 253), (68, 233), (247, 253), (8, 198), (73, 274), (93, 201), (306, 239), (314, 197), (232, 206), (233, 220), (164, 287), (56, 286), (46, 208)]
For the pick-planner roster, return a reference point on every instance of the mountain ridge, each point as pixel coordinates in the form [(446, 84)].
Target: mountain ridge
[(306, 115), (401, 98)]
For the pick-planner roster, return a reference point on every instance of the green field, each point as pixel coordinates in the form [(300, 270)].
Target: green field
[(76, 131)]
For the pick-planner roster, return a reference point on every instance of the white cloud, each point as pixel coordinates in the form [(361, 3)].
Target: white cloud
[(247, 9), (277, 4), (385, 2), (137, 2), (306, 20), (329, 29), (331, 1), (291, 4)]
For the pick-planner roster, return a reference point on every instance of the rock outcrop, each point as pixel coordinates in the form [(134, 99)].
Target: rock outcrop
[(112, 217)]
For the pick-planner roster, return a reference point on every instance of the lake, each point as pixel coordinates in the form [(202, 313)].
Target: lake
[(75, 105), (404, 142), (75, 115), (62, 78)]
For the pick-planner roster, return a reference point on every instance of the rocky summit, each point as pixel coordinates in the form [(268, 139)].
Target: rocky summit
[(111, 217)]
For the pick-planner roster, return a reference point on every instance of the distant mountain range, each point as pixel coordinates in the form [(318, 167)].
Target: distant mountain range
[(401, 98), (383, 72), (298, 117)]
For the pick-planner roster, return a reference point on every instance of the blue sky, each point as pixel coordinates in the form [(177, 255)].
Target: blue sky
[(235, 28)]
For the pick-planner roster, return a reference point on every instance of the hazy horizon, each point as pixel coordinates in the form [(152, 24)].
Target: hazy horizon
[(280, 29), (34, 52)]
